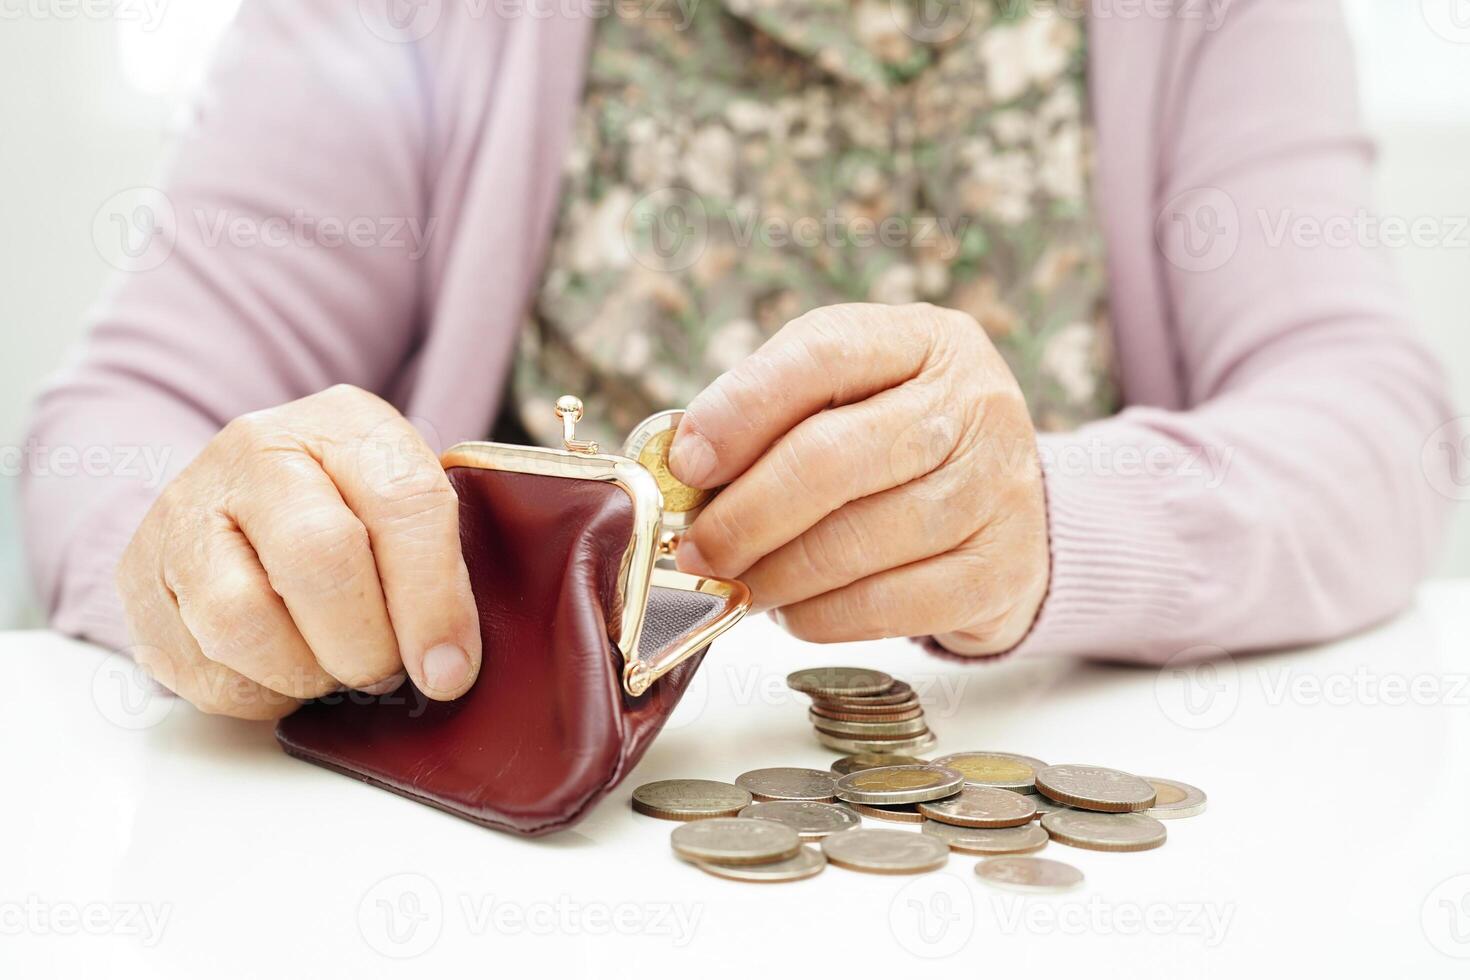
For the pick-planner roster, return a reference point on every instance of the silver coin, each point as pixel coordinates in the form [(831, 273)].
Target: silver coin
[(1029, 874), (885, 851), (988, 840), (893, 813), (730, 840), (887, 785), (1105, 831), (839, 681), (981, 806), (1045, 806), (807, 862), (787, 783), (689, 799), (1095, 788), (859, 729), (811, 821), (872, 760), (1175, 799), (854, 709), (899, 693), (838, 743), (1003, 769)]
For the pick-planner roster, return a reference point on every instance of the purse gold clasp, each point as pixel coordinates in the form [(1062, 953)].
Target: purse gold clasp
[(650, 541), (569, 410)]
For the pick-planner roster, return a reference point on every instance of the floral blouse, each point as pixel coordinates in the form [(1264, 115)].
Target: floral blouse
[(736, 163)]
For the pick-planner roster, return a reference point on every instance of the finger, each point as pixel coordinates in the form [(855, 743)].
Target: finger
[(833, 356), (887, 530), (393, 482), (312, 556), (166, 649), (937, 595), (226, 600), (832, 458)]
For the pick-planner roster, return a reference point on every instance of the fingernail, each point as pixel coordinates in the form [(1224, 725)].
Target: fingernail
[(691, 560), (692, 458), (386, 685), (446, 668)]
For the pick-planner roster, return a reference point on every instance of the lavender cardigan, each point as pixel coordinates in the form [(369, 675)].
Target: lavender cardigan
[(1263, 487)]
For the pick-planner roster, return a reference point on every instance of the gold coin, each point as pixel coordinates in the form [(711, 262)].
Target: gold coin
[(1005, 770), (649, 443), (899, 784)]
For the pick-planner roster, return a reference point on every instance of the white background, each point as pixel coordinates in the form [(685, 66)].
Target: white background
[(86, 106)]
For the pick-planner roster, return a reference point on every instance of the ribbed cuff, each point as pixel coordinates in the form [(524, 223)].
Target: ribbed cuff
[(1119, 574)]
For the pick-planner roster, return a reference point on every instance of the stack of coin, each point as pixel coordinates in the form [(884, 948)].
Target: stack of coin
[(858, 710)]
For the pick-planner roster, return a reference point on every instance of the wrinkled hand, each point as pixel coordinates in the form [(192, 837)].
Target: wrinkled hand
[(310, 547), (883, 480)]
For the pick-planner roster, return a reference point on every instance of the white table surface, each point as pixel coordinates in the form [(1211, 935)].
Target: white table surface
[(144, 839)]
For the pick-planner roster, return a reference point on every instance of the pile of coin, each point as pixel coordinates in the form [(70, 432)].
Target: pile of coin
[(858, 710), (999, 805)]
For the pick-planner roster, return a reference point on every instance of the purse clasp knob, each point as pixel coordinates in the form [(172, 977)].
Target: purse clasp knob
[(569, 410)]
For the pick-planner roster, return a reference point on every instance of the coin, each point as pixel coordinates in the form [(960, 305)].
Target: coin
[(1029, 874), (1095, 788), (787, 783), (649, 444), (872, 760), (988, 840), (981, 806), (860, 707), (870, 729), (1175, 799), (879, 714), (807, 862), (1003, 769), (1105, 831), (839, 681), (730, 840), (885, 851), (811, 821), (840, 743), (893, 812), (899, 784), (1045, 806), (689, 799), (899, 693)]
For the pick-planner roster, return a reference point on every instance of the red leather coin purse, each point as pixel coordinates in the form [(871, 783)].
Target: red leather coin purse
[(588, 646)]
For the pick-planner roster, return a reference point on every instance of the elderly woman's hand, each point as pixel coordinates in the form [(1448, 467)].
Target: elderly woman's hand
[(310, 547), (883, 480)]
